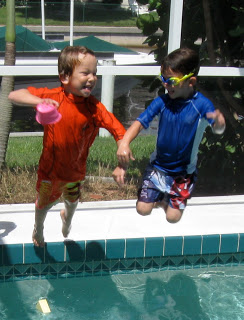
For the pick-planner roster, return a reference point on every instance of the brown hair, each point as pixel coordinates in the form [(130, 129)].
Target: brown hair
[(183, 60), (69, 59)]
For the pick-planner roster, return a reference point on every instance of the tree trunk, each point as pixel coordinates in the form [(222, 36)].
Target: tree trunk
[(7, 84)]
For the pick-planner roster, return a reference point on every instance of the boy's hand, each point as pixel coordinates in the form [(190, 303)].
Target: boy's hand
[(52, 102), (124, 155), (119, 175), (219, 121)]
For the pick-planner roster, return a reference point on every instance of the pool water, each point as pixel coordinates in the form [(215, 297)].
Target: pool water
[(199, 294)]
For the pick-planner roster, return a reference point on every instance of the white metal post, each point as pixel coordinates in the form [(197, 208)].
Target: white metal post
[(175, 24), (71, 21), (43, 19), (107, 93)]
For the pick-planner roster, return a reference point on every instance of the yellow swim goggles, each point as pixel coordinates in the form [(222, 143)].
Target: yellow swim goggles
[(174, 81)]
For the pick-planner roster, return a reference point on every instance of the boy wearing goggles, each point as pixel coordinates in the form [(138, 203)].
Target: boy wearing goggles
[(183, 115)]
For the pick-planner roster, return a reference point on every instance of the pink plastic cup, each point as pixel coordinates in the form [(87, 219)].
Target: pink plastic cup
[(47, 114)]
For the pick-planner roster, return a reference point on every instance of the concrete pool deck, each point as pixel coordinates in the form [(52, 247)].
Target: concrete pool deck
[(119, 219)]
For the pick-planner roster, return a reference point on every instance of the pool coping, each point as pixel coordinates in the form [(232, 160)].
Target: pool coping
[(123, 254)]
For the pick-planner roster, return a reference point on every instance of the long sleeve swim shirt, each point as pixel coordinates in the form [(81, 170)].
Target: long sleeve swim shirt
[(180, 130), (66, 143)]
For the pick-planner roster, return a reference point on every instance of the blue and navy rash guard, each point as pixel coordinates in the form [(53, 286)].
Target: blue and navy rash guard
[(180, 130)]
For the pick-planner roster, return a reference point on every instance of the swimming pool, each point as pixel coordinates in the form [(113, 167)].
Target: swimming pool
[(215, 293), (115, 255)]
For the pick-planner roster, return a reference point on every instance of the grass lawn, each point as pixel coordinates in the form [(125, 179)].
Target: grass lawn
[(19, 176), (25, 153), (58, 13)]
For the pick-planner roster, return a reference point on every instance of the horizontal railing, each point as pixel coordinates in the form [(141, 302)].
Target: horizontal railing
[(52, 70), (108, 72)]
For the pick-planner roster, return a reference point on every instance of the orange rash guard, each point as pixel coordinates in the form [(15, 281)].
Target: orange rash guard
[(66, 144)]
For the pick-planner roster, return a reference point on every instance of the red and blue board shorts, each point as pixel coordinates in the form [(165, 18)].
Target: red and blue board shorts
[(158, 186)]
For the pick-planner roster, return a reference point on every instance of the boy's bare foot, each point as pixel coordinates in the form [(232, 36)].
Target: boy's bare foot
[(37, 238), (66, 226)]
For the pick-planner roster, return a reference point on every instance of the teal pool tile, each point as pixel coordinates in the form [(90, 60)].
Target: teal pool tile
[(173, 246), (39, 269), (127, 264), (105, 266), (147, 263), (97, 266), (192, 245), (153, 264), (75, 250), (10, 273), (97, 269), (229, 243), (241, 242), (1, 255), (176, 262), (164, 262), (52, 270), (12, 254), (210, 259), (154, 247), (2, 269), (95, 250), (54, 252), (34, 254), (135, 248), (22, 269), (235, 260), (72, 267), (239, 257), (210, 243), (157, 260), (193, 260), (88, 267), (115, 248), (214, 263), (114, 266), (224, 258), (204, 261), (139, 263), (6, 270)]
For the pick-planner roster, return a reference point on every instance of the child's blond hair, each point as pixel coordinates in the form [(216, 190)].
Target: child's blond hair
[(69, 59)]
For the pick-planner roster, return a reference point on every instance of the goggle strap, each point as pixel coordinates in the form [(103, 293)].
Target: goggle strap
[(177, 80)]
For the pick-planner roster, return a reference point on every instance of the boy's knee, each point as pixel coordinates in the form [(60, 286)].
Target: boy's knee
[(143, 212), (143, 208), (173, 219), (173, 215)]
